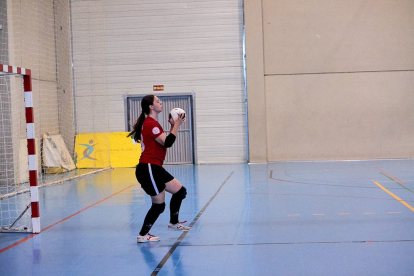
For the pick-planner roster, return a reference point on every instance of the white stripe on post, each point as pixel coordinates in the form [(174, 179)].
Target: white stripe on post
[(30, 131), (36, 225), (32, 163), (14, 68), (5, 68), (28, 98), (34, 193), (23, 71)]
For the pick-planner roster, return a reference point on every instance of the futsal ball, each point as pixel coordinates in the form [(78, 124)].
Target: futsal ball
[(175, 112)]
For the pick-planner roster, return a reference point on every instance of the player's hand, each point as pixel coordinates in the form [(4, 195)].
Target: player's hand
[(178, 121)]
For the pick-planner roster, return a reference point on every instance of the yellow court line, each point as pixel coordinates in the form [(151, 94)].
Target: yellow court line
[(396, 197)]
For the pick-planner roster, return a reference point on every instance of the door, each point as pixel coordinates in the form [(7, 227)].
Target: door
[(182, 151)]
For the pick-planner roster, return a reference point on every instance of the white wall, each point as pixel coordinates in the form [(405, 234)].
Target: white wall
[(126, 47)]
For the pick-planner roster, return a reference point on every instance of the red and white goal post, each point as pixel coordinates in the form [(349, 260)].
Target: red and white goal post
[(31, 144)]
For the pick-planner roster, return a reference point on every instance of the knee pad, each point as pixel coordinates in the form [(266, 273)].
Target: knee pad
[(159, 208), (182, 193)]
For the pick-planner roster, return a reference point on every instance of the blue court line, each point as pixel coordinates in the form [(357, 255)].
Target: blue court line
[(319, 184), (177, 243), (293, 243)]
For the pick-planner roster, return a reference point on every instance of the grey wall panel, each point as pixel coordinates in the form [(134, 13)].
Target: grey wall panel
[(256, 96), (312, 36), (338, 79), (340, 116)]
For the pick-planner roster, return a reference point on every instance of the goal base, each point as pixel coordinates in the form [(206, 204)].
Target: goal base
[(20, 229)]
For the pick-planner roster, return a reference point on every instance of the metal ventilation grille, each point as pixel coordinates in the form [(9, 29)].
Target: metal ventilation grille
[(182, 150)]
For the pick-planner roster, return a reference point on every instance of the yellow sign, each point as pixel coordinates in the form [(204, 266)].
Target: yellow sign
[(102, 150)]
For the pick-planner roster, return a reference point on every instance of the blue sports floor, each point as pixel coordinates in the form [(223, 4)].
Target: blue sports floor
[(286, 218)]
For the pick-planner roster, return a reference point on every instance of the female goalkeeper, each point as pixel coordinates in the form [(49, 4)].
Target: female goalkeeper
[(154, 179)]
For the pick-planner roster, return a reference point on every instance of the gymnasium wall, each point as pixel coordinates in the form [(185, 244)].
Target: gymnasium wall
[(35, 34), (330, 80), (39, 39), (6, 153), (4, 53), (126, 46)]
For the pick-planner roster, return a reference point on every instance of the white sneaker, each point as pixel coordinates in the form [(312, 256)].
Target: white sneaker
[(178, 226), (147, 238)]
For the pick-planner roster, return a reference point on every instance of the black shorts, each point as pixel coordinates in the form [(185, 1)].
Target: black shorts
[(152, 178)]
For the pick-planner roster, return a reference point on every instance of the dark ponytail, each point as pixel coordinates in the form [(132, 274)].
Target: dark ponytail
[(136, 129)]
